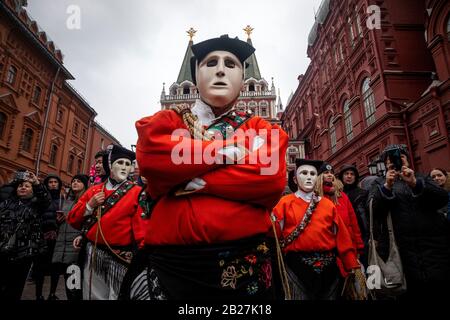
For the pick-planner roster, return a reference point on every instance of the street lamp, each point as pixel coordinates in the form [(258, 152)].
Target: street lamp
[(381, 168), (372, 168)]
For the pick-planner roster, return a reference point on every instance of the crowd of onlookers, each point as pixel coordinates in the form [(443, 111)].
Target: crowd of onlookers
[(36, 241)]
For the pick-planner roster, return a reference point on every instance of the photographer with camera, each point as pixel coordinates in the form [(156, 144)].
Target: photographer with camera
[(20, 232), (422, 238)]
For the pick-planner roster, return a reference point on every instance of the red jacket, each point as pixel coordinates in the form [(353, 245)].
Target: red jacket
[(345, 210), (121, 225), (320, 234), (236, 201)]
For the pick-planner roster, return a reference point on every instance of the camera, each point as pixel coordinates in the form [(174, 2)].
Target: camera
[(22, 175), (394, 155)]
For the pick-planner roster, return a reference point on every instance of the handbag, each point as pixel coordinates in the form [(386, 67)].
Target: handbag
[(384, 277)]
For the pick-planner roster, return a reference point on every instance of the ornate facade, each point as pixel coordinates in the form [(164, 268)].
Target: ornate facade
[(367, 87), (45, 124)]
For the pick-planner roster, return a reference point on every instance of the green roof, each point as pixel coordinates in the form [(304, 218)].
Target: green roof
[(185, 71), (253, 70)]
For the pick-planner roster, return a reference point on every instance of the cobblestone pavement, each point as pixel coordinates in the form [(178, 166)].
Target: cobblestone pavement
[(29, 290)]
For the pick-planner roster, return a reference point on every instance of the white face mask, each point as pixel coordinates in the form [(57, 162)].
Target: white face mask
[(306, 177), (120, 169), (219, 78)]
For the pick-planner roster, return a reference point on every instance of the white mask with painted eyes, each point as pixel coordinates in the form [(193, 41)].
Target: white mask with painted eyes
[(306, 178), (219, 78), (120, 169)]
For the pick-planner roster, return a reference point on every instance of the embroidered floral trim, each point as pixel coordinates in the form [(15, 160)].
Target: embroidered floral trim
[(318, 260), (302, 225), (256, 264)]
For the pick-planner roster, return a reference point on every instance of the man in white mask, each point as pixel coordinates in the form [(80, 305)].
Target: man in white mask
[(110, 217), (312, 235), (212, 201)]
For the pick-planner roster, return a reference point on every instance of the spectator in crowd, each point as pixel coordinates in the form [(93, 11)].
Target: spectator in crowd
[(42, 265), (349, 176), (65, 254), (442, 178), (20, 233), (420, 231)]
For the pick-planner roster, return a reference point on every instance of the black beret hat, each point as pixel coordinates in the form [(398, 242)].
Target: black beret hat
[(301, 162)]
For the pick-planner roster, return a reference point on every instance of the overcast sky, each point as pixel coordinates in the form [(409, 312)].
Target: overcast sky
[(125, 49)]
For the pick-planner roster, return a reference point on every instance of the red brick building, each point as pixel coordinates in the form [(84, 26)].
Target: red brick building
[(256, 96), (45, 124), (366, 87)]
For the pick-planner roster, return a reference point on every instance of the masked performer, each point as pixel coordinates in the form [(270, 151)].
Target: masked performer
[(312, 235), (110, 218), (215, 173)]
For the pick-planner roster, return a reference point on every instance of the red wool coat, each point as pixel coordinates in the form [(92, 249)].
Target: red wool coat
[(237, 198), (121, 225), (319, 235)]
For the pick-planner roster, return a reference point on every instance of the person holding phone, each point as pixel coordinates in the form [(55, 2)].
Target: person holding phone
[(423, 239), (21, 237)]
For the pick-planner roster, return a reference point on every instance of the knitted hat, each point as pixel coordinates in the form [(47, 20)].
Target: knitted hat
[(83, 178)]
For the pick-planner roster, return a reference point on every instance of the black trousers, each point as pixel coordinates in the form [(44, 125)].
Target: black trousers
[(13, 275)]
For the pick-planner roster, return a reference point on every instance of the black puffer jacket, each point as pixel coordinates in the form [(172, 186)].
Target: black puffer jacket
[(20, 229), (421, 233), (49, 216)]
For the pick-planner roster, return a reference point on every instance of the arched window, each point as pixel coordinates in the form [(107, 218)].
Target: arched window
[(368, 102), (186, 90), (3, 120), (37, 95), (79, 166), (70, 163), (252, 106), (264, 108), (251, 87), (28, 140), (53, 154), (332, 136), (348, 121), (11, 76), (59, 115)]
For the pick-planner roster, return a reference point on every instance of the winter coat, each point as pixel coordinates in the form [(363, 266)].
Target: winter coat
[(64, 251), (49, 217), (20, 225), (421, 232), (358, 199)]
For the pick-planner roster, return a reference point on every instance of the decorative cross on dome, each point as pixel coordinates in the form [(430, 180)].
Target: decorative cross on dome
[(248, 30), (191, 32)]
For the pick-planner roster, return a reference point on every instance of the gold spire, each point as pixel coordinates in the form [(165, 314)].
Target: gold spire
[(191, 32), (248, 30)]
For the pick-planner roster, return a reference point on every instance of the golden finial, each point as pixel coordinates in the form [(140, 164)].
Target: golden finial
[(191, 32), (248, 30)]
